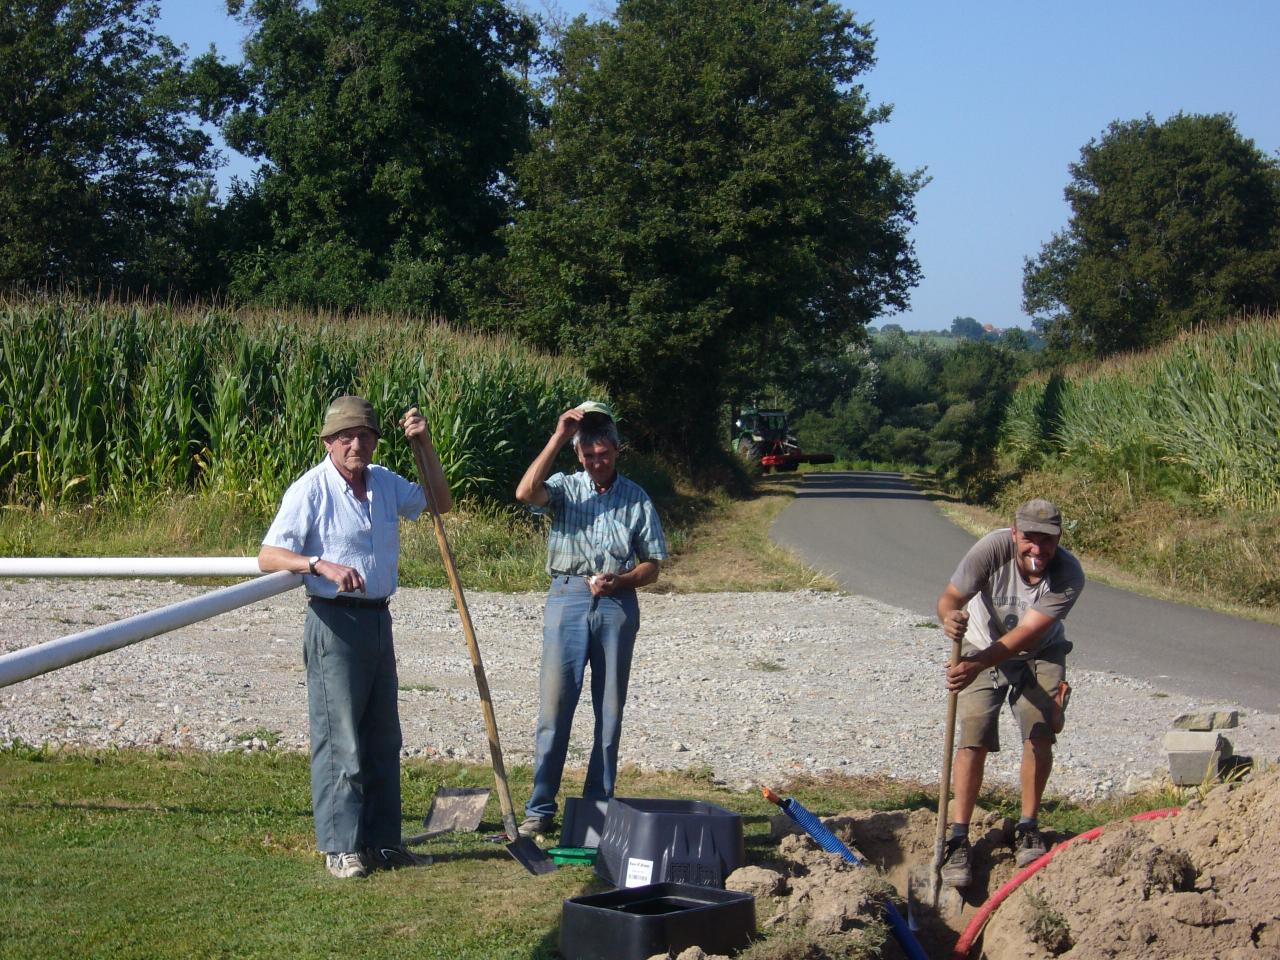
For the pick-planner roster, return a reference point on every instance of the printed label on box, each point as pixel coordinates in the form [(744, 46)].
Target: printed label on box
[(639, 872)]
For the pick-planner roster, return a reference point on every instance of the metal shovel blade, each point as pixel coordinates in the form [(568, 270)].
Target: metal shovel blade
[(531, 856), (456, 809), (927, 897)]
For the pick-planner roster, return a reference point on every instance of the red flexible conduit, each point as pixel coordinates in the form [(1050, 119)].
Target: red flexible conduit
[(972, 931)]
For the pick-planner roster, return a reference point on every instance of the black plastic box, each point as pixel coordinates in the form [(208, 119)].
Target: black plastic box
[(637, 922), (669, 841)]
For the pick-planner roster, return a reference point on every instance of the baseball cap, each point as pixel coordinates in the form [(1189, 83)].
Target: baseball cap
[(1039, 516), (595, 406), (347, 412)]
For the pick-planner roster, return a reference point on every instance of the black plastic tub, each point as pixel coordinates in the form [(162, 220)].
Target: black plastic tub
[(669, 841), (637, 922)]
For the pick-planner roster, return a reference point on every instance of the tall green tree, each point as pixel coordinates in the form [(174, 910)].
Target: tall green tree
[(706, 204), (104, 174), (967, 328), (387, 129), (1172, 225)]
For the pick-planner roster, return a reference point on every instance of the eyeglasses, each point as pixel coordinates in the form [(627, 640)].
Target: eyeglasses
[(347, 437)]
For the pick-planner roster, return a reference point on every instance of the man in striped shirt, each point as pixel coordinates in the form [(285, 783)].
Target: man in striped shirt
[(606, 540)]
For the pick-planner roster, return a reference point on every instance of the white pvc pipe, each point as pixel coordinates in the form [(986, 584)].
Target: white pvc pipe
[(129, 567), (30, 662)]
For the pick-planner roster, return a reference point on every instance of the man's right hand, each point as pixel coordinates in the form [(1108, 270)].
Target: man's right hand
[(955, 624), (348, 579), (568, 424)]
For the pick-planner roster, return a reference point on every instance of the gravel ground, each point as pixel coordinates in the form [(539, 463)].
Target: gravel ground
[(756, 687)]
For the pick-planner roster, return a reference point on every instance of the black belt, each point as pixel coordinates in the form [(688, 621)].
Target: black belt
[(369, 603)]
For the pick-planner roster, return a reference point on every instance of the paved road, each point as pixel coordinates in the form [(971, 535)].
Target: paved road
[(880, 537)]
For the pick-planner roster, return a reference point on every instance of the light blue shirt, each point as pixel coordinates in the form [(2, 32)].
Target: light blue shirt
[(320, 516), (594, 532)]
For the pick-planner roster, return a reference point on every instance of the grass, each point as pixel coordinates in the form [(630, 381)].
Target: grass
[(132, 854), (269, 737), (728, 548)]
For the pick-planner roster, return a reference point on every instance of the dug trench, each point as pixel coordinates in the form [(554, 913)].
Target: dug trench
[(1202, 884)]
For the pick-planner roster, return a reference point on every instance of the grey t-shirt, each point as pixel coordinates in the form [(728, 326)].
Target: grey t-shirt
[(1000, 596)]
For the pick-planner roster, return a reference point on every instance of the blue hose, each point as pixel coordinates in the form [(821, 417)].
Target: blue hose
[(829, 842)]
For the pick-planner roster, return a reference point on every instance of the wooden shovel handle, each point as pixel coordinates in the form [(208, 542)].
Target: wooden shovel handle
[(944, 789), (473, 647)]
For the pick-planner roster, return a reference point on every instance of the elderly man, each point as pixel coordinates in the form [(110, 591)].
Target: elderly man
[(1006, 602), (605, 542), (339, 524)]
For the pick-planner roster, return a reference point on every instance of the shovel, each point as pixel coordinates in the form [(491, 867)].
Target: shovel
[(916, 883), (527, 853), (453, 809)]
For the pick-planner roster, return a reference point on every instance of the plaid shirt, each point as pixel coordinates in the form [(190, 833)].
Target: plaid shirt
[(593, 532)]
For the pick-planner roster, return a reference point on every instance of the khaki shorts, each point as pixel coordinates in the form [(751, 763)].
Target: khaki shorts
[(1028, 686)]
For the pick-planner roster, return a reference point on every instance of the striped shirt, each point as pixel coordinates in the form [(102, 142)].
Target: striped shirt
[(594, 532), (320, 516)]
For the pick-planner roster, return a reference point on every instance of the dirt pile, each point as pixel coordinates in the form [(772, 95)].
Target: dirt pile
[(1204, 884), (814, 905)]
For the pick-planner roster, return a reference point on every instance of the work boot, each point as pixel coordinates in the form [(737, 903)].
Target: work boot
[(1028, 845), (534, 824), (956, 869), (393, 858), (346, 865)]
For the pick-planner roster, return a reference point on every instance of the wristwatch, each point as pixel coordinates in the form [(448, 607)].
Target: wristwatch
[(311, 564)]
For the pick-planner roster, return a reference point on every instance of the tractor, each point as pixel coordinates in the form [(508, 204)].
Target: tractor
[(765, 439)]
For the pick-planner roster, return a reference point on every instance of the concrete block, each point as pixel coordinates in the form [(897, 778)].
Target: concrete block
[(1208, 720), (1195, 756)]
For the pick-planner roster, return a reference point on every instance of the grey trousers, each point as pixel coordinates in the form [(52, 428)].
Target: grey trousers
[(355, 727)]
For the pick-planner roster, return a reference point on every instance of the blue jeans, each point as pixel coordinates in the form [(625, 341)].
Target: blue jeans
[(355, 727), (578, 629)]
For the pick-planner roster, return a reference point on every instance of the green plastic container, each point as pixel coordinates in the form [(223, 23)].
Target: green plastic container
[(584, 856)]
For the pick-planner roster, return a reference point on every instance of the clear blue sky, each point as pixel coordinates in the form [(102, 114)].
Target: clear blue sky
[(995, 99)]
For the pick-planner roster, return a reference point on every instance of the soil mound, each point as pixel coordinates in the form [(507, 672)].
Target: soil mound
[(1203, 884)]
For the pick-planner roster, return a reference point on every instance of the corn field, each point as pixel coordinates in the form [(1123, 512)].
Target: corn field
[(108, 401), (1206, 404)]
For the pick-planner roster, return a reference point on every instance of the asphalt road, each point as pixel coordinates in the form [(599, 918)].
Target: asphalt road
[(879, 537)]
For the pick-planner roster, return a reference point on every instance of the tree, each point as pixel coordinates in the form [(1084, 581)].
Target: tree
[(967, 328), (705, 203), (387, 128), (1172, 225), (103, 175), (975, 384)]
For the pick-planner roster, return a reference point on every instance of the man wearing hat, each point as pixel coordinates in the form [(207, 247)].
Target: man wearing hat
[(1006, 602), (339, 525), (605, 541)]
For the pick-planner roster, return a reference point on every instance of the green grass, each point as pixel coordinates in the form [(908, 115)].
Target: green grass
[(130, 854), (1195, 416)]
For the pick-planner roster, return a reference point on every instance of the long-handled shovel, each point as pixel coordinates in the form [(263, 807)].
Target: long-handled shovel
[(525, 851), (924, 884), (944, 789), (940, 839)]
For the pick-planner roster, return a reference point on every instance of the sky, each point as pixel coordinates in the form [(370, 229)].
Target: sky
[(994, 100)]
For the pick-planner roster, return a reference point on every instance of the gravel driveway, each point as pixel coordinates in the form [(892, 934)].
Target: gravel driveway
[(755, 687)]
